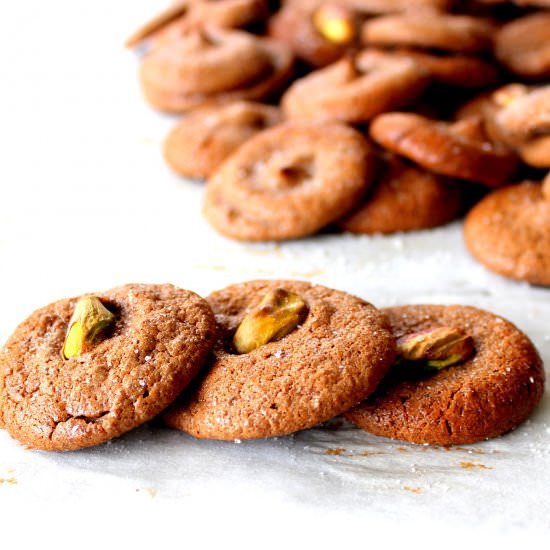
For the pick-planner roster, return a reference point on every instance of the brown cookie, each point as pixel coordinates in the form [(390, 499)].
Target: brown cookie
[(485, 396), (509, 233), (289, 181), (405, 198), (213, 66), (160, 339), (461, 149), (464, 71), (354, 89), (523, 45), (204, 138), (182, 17), (527, 116), (330, 362), (430, 29), (487, 106), (301, 26), (536, 152)]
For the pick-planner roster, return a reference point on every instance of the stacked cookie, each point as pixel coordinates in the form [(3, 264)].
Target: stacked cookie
[(330, 150), (260, 359)]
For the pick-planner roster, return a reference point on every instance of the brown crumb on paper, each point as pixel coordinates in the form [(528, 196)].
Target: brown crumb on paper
[(9, 480), (415, 490), (337, 451), (471, 465)]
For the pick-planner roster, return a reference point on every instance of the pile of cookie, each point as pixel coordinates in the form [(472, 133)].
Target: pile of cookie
[(259, 359), (329, 151)]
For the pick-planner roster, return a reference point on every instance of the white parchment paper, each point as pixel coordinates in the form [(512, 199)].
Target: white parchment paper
[(87, 204)]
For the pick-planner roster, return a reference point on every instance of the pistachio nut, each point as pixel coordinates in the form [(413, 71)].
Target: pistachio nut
[(436, 347), (87, 325), (506, 95), (335, 23), (278, 314)]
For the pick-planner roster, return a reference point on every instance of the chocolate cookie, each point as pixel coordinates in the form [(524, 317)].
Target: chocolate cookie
[(289, 181), (484, 396), (355, 89), (213, 66), (463, 71), (523, 45), (331, 361), (300, 26), (183, 17), (204, 138), (527, 116), (461, 150), (405, 198), (509, 232), (430, 29), (157, 339)]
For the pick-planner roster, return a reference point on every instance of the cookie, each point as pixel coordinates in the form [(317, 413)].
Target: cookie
[(487, 105), (160, 338), (301, 26), (183, 17), (485, 396), (405, 198), (461, 149), (523, 45), (463, 71), (204, 138), (213, 66), (536, 152), (354, 89), (509, 233), (429, 29), (527, 116), (335, 358), (289, 181)]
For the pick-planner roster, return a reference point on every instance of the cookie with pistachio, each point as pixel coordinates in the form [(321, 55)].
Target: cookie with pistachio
[(463, 375), (290, 355), (83, 370)]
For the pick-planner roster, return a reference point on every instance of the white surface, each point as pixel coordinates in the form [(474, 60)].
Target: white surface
[(88, 204)]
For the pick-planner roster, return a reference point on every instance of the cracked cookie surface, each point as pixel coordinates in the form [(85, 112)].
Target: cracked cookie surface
[(332, 361), (161, 338), (483, 397)]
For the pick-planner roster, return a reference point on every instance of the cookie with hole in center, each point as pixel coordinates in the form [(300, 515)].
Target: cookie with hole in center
[(488, 393), (79, 372), (307, 353), (508, 231), (289, 181), (204, 138)]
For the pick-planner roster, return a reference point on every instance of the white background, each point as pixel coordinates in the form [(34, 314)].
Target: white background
[(87, 204)]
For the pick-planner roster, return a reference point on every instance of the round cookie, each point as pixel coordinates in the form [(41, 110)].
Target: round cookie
[(487, 395), (509, 232), (527, 116), (334, 359), (461, 149), (204, 138), (429, 29), (294, 25), (185, 16), (355, 89), (213, 66), (463, 71), (289, 181), (523, 45), (160, 339), (405, 198)]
